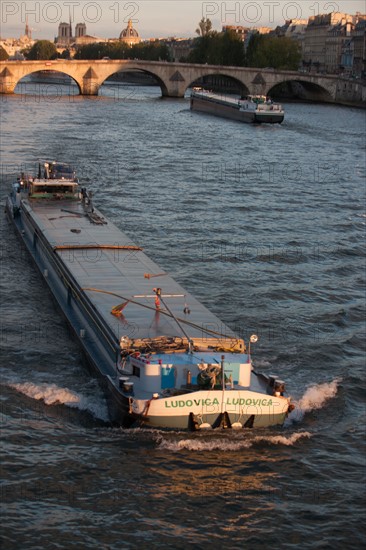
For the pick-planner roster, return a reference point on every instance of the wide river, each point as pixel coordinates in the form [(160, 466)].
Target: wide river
[(263, 224)]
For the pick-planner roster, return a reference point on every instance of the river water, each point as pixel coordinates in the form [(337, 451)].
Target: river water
[(263, 224)]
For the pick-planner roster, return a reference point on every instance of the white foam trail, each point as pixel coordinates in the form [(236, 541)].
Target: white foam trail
[(51, 394), (283, 440), (314, 398), (225, 444), (262, 363)]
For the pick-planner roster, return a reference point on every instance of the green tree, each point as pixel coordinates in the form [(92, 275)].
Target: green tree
[(3, 54), (223, 48), (42, 49), (270, 51), (115, 50), (232, 49), (204, 27), (151, 51), (199, 52), (65, 54)]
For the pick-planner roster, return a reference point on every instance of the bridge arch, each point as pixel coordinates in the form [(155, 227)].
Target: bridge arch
[(220, 79), (128, 69), (56, 74), (299, 88)]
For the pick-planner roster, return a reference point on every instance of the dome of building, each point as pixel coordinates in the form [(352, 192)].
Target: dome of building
[(130, 35)]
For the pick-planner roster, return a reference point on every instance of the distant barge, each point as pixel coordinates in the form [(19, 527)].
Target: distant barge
[(164, 360), (254, 109)]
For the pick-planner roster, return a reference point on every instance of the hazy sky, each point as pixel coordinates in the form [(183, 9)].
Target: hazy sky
[(157, 18)]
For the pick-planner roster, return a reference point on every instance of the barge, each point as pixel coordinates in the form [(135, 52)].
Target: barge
[(163, 359), (253, 109)]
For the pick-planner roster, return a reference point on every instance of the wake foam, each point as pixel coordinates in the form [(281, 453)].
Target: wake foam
[(51, 394), (224, 444), (314, 398)]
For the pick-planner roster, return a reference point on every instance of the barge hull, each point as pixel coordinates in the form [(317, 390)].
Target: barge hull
[(217, 107), (221, 110)]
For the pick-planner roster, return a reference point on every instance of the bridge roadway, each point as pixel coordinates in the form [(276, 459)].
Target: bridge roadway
[(175, 78)]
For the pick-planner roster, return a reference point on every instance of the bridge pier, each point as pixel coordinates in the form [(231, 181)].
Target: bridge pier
[(175, 85), (90, 89), (7, 82), (172, 93), (91, 83)]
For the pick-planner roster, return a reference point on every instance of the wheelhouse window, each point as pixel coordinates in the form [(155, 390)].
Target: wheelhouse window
[(45, 190), (136, 371)]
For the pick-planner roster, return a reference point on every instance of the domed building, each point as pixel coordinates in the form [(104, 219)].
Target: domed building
[(129, 35)]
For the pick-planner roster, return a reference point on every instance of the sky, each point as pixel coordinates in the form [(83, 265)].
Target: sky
[(157, 18)]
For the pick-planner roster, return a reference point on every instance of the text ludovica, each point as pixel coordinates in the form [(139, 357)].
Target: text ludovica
[(211, 402)]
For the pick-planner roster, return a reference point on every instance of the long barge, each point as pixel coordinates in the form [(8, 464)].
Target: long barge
[(253, 109), (163, 359)]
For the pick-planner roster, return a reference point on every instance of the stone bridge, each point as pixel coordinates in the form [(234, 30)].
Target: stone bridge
[(175, 78)]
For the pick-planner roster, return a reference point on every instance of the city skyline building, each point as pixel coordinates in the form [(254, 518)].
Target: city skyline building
[(66, 37), (129, 35)]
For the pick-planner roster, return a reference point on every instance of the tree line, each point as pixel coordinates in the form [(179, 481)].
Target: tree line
[(211, 47), (226, 48), (152, 51)]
